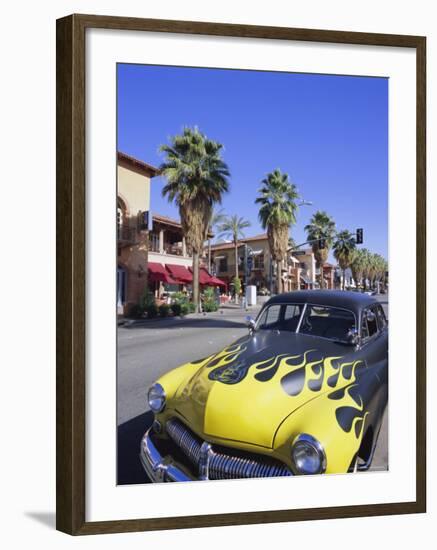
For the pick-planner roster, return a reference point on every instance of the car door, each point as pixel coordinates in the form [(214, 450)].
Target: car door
[(373, 384)]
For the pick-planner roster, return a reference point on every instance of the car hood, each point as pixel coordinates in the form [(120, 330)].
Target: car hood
[(244, 392)]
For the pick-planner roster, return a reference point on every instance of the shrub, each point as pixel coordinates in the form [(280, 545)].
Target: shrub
[(179, 297), (237, 285), (176, 309), (152, 311), (209, 301), (164, 310), (147, 299), (209, 306), (209, 294), (136, 311)]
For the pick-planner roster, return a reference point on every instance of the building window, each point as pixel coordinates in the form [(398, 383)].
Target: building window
[(122, 220), (222, 265), (154, 242), (258, 261)]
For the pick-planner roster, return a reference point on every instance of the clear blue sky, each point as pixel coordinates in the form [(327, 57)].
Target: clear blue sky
[(329, 133)]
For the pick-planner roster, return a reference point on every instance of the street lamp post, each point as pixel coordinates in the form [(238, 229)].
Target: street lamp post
[(305, 203)]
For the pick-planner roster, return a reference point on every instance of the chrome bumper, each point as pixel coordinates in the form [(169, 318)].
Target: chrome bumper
[(157, 467)]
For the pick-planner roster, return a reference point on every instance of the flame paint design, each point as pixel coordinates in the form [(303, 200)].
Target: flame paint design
[(351, 413), (308, 371)]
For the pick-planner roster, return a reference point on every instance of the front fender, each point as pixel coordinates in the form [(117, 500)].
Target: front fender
[(172, 380), (337, 424)]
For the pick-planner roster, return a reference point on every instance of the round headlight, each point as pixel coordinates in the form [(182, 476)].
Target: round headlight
[(308, 455), (156, 398)]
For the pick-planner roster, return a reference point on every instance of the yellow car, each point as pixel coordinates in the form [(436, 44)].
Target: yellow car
[(303, 393)]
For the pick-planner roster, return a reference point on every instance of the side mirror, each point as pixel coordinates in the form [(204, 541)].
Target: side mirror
[(250, 322)]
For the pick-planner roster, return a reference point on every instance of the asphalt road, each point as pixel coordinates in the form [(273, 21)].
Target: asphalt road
[(146, 351)]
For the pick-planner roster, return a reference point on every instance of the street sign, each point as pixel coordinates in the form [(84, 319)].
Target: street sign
[(299, 253)]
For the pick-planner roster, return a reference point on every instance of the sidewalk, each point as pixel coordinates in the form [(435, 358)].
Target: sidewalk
[(226, 310)]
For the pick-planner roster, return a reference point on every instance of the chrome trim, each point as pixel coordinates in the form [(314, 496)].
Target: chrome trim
[(304, 310), (205, 457), (315, 443), (157, 426), (157, 467)]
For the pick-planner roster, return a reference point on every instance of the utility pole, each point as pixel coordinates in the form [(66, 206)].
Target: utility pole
[(245, 267), (271, 275)]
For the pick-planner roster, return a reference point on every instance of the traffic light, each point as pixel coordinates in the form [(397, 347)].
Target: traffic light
[(322, 244), (359, 238), (249, 263)]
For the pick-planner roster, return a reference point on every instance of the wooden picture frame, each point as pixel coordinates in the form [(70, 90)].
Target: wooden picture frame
[(71, 248)]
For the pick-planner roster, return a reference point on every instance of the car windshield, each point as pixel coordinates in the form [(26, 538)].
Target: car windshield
[(321, 321), (280, 317)]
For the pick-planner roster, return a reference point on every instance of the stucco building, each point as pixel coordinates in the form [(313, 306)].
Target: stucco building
[(133, 205), (298, 272), (151, 249)]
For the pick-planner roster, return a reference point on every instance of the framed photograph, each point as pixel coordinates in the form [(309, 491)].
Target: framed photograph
[(241, 274)]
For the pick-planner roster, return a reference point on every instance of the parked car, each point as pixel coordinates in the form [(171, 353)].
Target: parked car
[(303, 393)]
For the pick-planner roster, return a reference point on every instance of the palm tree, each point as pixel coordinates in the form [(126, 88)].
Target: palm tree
[(278, 200), (380, 267), (196, 177), (367, 266), (321, 226), (344, 247), (232, 227), (217, 217), (357, 266)]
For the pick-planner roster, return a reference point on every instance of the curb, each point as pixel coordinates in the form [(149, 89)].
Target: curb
[(129, 323)]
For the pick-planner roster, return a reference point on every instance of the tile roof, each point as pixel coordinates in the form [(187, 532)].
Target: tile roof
[(165, 219), (137, 164), (171, 221), (227, 246)]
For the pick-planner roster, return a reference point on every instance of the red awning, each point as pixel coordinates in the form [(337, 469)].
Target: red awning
[(204, 277), (208, 280), (157, 272), (180, 273), (215, 281)]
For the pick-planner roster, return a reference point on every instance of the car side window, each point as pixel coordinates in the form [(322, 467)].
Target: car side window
[(369, 325), (291, 310), (382, 320)]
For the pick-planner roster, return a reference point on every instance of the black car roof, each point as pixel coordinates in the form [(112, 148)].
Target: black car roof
[(354, 301)]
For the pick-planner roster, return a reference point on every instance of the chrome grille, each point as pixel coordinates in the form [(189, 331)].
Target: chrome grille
[(222, 464), (185, 440)]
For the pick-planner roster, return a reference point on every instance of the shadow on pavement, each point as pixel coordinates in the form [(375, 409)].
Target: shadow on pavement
[(129, 434), (197, 322)]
